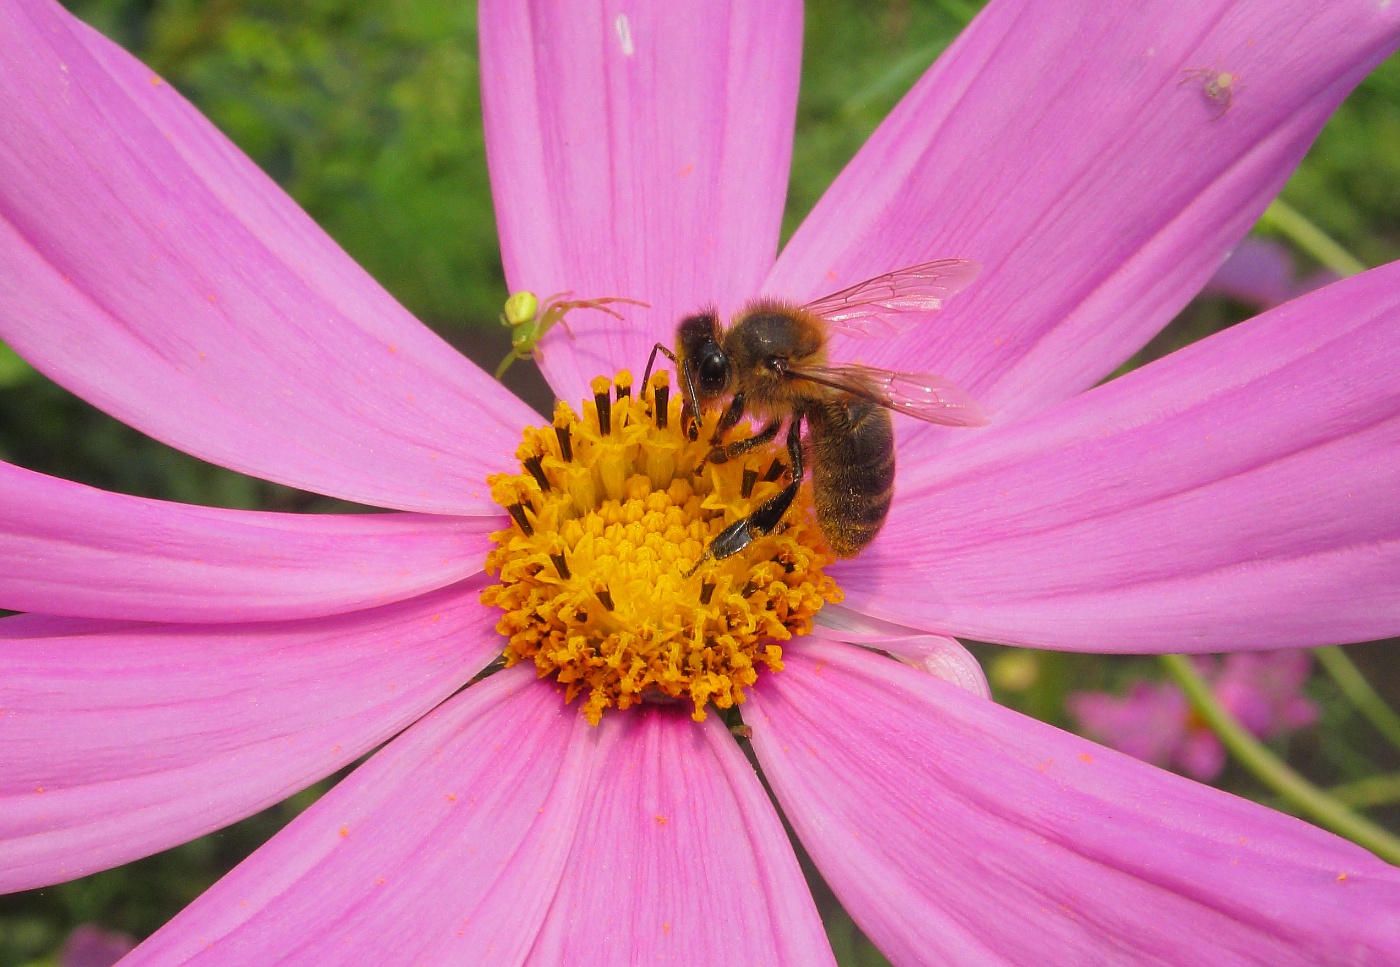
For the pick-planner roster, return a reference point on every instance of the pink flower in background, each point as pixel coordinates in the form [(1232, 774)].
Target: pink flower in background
[(1260, 273), (1154, 721), (91, 946), (183, 667), (1263, 689)]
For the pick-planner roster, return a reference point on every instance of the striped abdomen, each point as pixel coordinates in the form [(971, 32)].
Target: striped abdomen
[(852, 458)]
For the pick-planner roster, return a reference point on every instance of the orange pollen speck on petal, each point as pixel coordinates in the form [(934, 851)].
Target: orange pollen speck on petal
[(610, 513)]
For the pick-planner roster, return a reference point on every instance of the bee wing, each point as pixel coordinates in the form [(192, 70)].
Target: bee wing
[(872, 307), (923, 396)]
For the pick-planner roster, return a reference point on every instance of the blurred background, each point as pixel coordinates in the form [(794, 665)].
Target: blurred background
[(369, 115)]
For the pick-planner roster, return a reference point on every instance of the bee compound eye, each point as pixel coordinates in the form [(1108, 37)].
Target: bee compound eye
[(714, 373)]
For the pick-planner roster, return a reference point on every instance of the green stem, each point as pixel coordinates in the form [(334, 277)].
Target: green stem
[(894, 79), (1369, 792), (1273, 772), (1283, 218), (1355, 686)]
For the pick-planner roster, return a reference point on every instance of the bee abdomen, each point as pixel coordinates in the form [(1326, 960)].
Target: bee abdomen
[(852, 471)]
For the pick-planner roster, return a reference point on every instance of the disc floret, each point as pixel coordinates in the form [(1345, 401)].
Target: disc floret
[(610, 514)]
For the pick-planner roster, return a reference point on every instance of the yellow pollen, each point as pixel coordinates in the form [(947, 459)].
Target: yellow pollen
[(611, 512)]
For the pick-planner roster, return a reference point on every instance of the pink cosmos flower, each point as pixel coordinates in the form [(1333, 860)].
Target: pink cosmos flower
[(1260, 273), (91, 946), (1154, 722), (182, 667)]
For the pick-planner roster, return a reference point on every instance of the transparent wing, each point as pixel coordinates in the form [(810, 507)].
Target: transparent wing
[(923, 396), (873, 307)]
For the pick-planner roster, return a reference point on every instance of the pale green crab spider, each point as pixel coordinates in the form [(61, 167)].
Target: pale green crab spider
[(529, 319)]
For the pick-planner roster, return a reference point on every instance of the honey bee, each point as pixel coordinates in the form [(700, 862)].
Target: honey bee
[(772, 361)]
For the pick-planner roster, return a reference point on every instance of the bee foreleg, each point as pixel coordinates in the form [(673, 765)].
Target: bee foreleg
[(733, 413), (658, 348), (769, 514), (739, 447)]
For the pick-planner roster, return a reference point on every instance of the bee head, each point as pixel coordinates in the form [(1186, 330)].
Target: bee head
[(697, 339)]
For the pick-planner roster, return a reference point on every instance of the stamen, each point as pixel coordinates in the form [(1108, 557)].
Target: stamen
[(624, 505), (536, 467), (603, 404), (663, 395), (517, 513), (775, 470)]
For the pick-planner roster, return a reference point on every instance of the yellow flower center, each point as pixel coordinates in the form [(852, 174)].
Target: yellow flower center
[(610, 514)]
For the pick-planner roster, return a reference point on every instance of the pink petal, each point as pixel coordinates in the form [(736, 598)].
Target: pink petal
[(118, 740), (639, 152), (153, 270), (445, 848), (958, 832), (936, 654), (100, 555), (1238, 494), (1066, 148), (682, 861)]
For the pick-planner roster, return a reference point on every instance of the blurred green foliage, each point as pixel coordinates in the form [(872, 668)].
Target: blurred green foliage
[(368, 114)]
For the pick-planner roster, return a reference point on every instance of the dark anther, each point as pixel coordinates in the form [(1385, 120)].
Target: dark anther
[(566, 448), (663, 402), (605, 596), (581, 616), (624, 391), (749, 589), (536, 467), (774, 471), (750, 478), (517, 514), (707, 591), (604, 413), (561, 565)]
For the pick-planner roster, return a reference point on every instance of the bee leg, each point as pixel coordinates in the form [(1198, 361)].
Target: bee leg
[(687, 384), (732, 414), (658, 348), (769, 514), (692, 403), (742, 533), (794, 445), (739, 447)]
